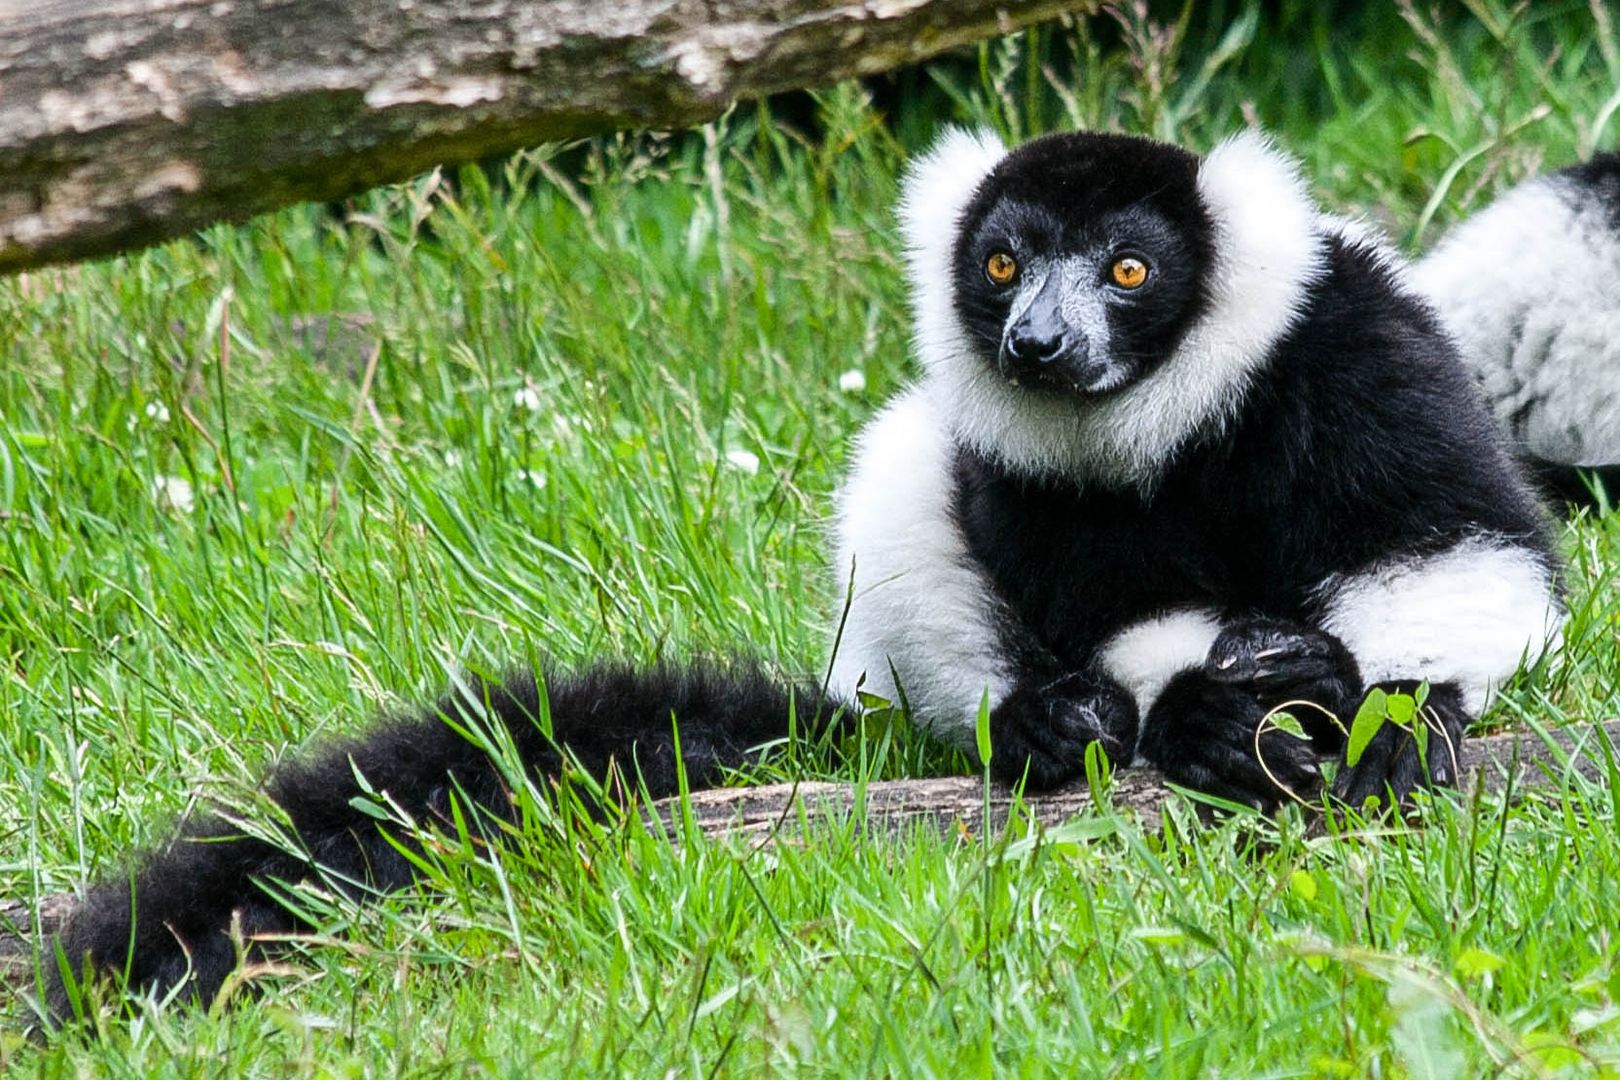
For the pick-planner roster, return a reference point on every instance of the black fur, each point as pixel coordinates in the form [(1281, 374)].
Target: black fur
[(1576, 485), (1598, 179), (1041, 730), (617, 723), (1361, 439)]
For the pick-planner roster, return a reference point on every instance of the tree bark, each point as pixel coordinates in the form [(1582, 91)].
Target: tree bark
[(127, 122), (1498, 764)]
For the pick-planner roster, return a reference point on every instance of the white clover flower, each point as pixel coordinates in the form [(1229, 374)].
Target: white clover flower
[(527, 399), (173, 493), (745, 460), (852, 381), (157, 412)]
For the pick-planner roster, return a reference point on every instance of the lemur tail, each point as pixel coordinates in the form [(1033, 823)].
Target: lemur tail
[(174, 917)]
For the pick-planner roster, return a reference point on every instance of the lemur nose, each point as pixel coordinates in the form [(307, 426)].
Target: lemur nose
[(1041, 345)]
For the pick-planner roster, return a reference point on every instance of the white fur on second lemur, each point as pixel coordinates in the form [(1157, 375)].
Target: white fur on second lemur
[(1530, 289), (1267, 251), (1468, 616)]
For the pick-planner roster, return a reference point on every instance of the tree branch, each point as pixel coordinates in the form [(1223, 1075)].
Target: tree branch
[(127, 122)]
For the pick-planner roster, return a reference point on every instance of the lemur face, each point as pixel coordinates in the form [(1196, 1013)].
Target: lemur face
[(1080, 262)]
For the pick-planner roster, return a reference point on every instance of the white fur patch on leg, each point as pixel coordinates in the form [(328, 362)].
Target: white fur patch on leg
[(1468, 616), (920, 602), (1145, 656), (1527, 288)]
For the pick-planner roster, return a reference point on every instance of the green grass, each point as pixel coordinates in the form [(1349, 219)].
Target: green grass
[(374, 504)]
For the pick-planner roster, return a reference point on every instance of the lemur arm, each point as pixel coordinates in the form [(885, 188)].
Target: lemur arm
[(921, 610)]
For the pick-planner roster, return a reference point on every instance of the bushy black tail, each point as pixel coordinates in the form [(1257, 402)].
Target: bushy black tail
[(167, 920)]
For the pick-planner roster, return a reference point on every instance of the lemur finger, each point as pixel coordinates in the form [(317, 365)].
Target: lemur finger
[(1263, 651)]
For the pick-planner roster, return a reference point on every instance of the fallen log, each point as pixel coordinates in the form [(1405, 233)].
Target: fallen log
[(127, 122), (1499, 763), (1513, 762)]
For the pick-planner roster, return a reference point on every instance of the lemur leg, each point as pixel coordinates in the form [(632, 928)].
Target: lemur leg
[(1203, 709), (1392, 765), (1039, 732), (1461, 620), (1201, 734), (920, 610)]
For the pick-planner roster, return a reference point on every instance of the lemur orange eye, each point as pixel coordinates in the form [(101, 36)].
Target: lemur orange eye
[(1128, 273), (1001, 268)]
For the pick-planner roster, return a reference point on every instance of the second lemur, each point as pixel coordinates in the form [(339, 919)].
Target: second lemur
[(1530, 289), (1182, 451)]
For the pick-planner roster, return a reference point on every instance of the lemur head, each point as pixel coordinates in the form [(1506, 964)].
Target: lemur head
[(1087, 303), (1079, 264)]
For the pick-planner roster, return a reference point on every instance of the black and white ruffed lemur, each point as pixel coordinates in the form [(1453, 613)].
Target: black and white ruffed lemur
[(1530, 289), (1183, 449)]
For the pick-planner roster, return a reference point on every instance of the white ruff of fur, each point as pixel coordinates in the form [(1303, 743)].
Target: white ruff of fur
[(1467, 616), (920, 602), (1527, 289), (1267, 252)]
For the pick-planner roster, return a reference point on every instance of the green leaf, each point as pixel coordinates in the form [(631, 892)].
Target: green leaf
[(981, 729), (1473, 962), (1287, 722), (1369, 718), (1302, 883), (1401, 708), (369, 808)]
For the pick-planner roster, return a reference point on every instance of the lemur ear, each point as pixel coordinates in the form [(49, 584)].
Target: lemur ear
[(936, 189), (1268, 246)]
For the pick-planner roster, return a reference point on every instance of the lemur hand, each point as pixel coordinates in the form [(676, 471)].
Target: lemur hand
[(1277, 661), (1039, 734), (1392, 767)]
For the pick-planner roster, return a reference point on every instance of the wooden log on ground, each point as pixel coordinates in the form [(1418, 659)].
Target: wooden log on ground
[(1498, 763), (126, 122), (1516, 761)]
